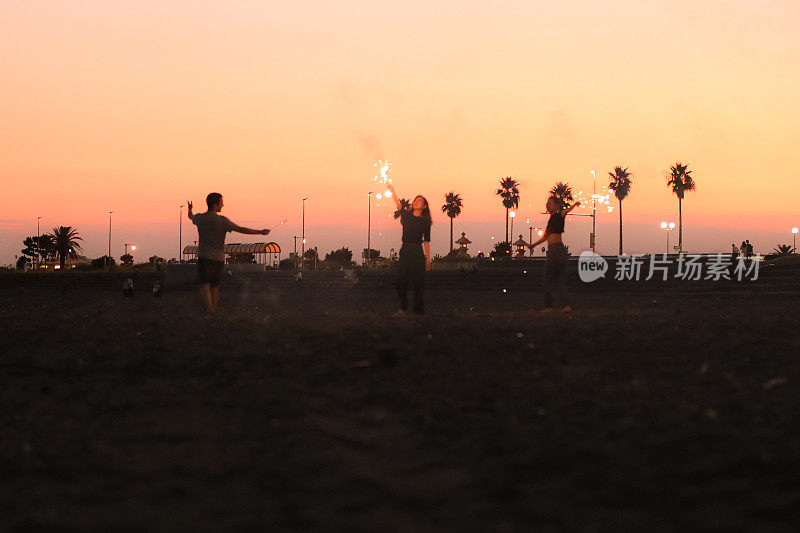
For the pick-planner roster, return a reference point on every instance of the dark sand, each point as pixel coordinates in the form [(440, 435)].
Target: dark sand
[(317, 411)]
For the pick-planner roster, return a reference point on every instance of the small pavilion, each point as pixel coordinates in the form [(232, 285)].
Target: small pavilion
[(264, 252)]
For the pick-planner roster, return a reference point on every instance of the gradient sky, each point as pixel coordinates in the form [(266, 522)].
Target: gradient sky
[(136, 106)]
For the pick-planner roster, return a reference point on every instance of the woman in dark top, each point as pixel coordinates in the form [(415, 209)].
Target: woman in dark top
[(555, 265), (413, 260)]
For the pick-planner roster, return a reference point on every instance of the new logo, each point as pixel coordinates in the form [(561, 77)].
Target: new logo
[(591, 266)]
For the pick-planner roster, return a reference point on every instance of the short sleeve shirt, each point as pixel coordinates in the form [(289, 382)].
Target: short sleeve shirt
[(211, 229), (415, 229)]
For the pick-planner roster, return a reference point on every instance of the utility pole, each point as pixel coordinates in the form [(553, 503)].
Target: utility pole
[(108, 257), (369, 223), (36, 262), (180, 235), (303, 244)]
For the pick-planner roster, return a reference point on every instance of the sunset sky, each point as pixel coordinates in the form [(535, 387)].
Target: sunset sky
[(137, 106)]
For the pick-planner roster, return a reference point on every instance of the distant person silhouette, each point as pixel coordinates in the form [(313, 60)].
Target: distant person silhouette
[(212, 228), (127, 288), (749, 248), (413, 261), (734, 252), (557, 258)]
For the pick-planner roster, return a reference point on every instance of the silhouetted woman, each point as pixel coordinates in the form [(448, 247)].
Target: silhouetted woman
[(555, 266), (414, 261)]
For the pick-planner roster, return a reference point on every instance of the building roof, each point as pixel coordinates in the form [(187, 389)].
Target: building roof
[(463, 240), (246, 248), (521, 242)]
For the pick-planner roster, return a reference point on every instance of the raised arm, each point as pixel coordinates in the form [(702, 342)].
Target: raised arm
[(565, 212), (189, 211), (395, 197)]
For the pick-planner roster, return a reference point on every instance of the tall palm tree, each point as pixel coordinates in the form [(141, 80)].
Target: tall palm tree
[(621, 185), (66, 241), (452, 208), (509, 193), (563, 192), (680, 179)]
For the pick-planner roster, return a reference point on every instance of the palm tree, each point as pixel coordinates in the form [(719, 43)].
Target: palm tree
[(509, 193), (680, 179), (66, 242), (404, 206), (563, 192), (621, 185), (452, 208)]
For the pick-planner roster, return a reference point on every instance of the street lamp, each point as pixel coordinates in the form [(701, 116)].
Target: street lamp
[(593, 237), (794, 237), (668, 226), (295, 250), (133, 247), (369, 223), (38, 245), (108, 257), (511, 215), (180, 234), (303, 247)]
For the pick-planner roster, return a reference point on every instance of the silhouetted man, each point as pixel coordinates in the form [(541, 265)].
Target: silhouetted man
[(212, 228)]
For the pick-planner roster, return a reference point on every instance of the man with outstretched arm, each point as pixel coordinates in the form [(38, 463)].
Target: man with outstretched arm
[(212, 228)]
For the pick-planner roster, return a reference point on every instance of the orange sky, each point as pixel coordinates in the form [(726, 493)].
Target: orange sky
[(137, 106)]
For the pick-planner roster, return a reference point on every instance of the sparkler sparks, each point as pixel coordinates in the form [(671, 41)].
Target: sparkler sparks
[(382, 178), (603, 198)]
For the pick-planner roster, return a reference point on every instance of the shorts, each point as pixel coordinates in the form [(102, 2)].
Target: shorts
[(210, 271)]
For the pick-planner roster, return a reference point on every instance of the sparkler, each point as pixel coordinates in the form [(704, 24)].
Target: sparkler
[(382, 178)]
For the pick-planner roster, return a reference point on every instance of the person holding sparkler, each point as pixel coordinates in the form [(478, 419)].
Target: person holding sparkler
[(555, 266), (413, 260)]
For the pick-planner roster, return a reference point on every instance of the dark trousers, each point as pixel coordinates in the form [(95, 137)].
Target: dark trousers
[(555, 273), (411, 267)]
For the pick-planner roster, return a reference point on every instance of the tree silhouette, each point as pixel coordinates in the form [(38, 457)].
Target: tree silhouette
[(66, 241), (452, 208), (405, 205), (680, 179), (563, 192), (621, 185), (509, 195)]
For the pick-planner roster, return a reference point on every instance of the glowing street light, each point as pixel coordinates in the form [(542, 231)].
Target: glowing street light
[(511, 215), (668, 226), (794, 237), (303, 253)]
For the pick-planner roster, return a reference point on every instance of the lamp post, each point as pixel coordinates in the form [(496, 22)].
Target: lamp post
[(108, 257), (295, 251), (530, 241), (133, 247), (512, 215), (303, 245), (593, 236), (369, 223), (668, 226), (38, 245), (794, 238), (180, 234)]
